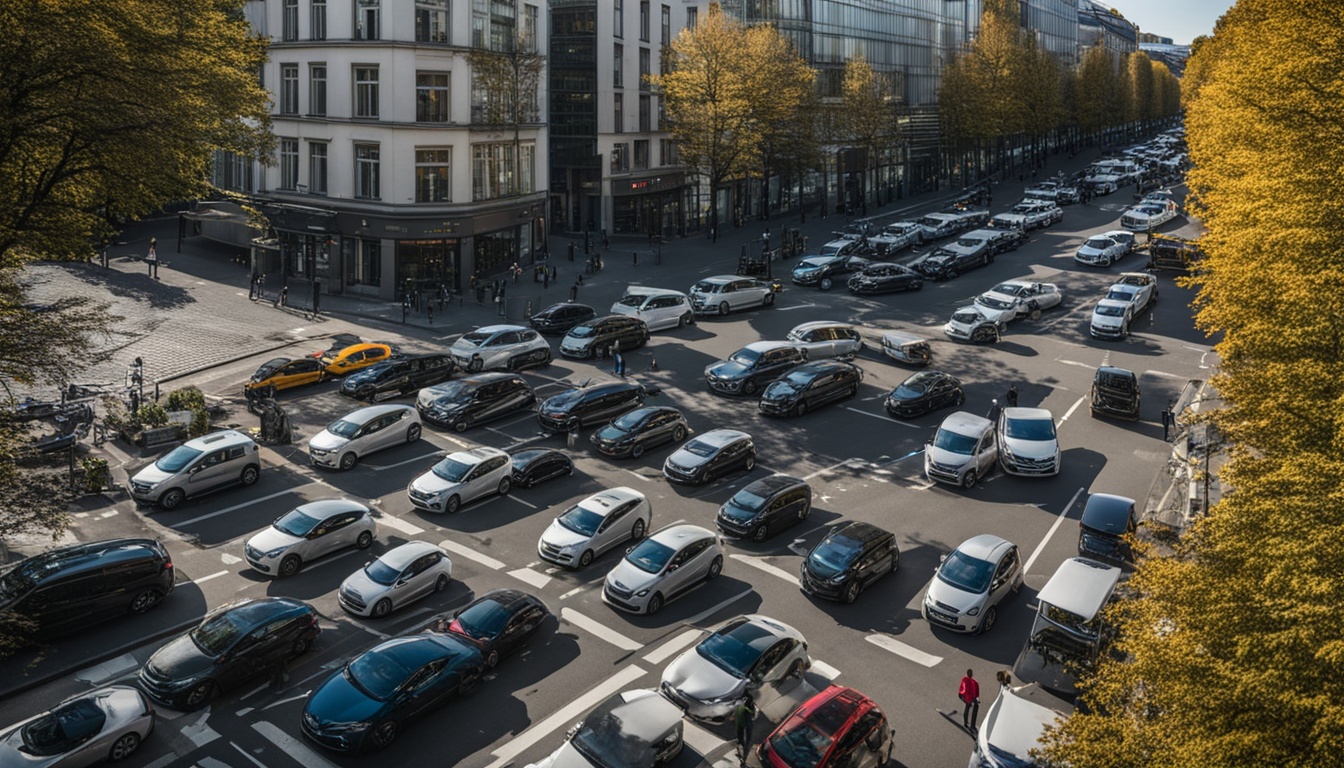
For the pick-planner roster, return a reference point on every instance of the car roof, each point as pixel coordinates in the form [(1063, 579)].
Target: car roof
[(1107, 512), (257, 610), (402, 556), (506, 597), (813, 324), (330, 507), (1111, 303), (857, 529), (369, 412), (757, 631), (766, 346), (415, 651), (723, 278), (721, 437), (773, 484), (221, 439), (644, 290), (832, 709), (983, 233), (1080, 586), (603, 502), (533, 454), (1123, 234), (476, 455), (1022, 412), (493, 329), (481, 379), (78, 557), (675, 536), (1110, 370), (964, 423), (608, 386), (986, 546)]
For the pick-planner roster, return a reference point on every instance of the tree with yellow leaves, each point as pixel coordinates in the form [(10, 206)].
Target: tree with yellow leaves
[(869, 112)]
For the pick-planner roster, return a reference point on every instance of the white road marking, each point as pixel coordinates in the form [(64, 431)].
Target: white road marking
[(573, 592), (889, 643), (524, 503), (825, 670), (197, 732), (598, 630), (381, 467), (235, 507), (456, 442), (1036, 552), (282, 702), (228, 559), (109, 669), (666, 650), (883, 416), (700, 739), (795, 306), (829, 469), (109, 513), (471, 554), (204, 579), (713, 609), (773, 570), (293, 747), (243, 752), (529, 576), (562, 717), (1080, 365), (1164, 375), (1072, 408), (398, 524), (636, 474)]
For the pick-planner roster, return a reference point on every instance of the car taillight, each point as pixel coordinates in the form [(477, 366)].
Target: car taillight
[(168, 565)]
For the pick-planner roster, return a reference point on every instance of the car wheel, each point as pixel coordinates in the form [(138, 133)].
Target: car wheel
[(655, 604), (441, 583), (918, 285), (300, 645), (460, 425), (123, 747), (768, 300), (201, 694), (749, 387), (364, 541), (852, 591), (348, 461), (250, 474), (678, 434), (491, 659), (761, 533), (895, 562), (750, 463), (383, 736), (1106, 262), (586, 559), (991, 615), (600, 351), (715, 568), (543, 358), (413, 433), (505, 485), (289, 566), (475, 365), (637, 451), (825, 284), (681, 322), (453, 504), (724, 309), (514, 363), (144, 601), (171, 498), (381, 608), (1034, 311), (968, 481), (795, 670), (800, 408)]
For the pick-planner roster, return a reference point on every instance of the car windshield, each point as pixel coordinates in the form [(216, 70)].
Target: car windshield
[(1008, 289), (216, 634), (452, 470), (1029, 429), (635, 300), (836, 553), (970, 242), (747, 357), (650, 556), (178, 458), (734, 651), (1098, 243), (295, 523), (630, 420), (966, 317), (482, 621), (381, 573), (994, 302), (475, 338), (453, 392), (343, 428), (1110, 310), (580, 520), (1121, 294), (707, 286), (699, 448), (745, 499), (378, 674), (16, 582), (608, 741), (801, 746), (954, 442), (267, 368), (63, 728), (966, 573), (582, 331), (911, 387), (930, 221)]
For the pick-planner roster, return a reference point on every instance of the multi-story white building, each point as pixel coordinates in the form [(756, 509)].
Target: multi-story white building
[(386, 174)]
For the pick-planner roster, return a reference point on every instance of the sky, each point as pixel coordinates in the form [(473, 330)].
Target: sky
[(1181, 20)]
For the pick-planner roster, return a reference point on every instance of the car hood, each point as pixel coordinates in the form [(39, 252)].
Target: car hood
[(947, 594), (612, 434), (463, 346), (945, 457), (629, 577), (562, 537), (1031, 449), (699, 678), (360, 583), (779, 390), (357, 378), (564, 757), (684, 458), (432, 483), (271, 538), (326, 441), (727, 369), (339, 701), (151, 474), (180, 659), (806, 269), (1107, 321), (998, 315), (1087, 250)]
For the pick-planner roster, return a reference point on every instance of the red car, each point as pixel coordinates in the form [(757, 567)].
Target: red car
[(837, 727)]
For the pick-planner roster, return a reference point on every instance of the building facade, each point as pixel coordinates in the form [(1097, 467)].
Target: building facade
[(1098, 26)]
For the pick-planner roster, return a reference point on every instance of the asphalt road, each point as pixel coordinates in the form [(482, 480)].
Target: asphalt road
[(862, 464)]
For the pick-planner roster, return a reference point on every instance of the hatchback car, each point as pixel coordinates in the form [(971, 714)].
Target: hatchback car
[(765, 507), (198, 466), (461, 478), (971, 582), (595, 525), (737, 661), (1020, 298), (359, 433), (1028, 442), (1110, 319), (397, 578), (810, 386), (559, 318), (285, 373), (851, 557), (632, 729), (537, 465), (500, 347), (663, 567), (826, 338), (231, 645), (825, 271), (363, 705), (1115, 392), (962, 450), (499, 622), (308, 532), (837, 728), (885, 278), (924, 392), (722, 294), (105, 724), (749, 369), (596, 338), (975, 324), (710, 455), (1107, 519), (477, 399), (355, 357), (397, 377), (585, 406), (635, 431), (659, 308)]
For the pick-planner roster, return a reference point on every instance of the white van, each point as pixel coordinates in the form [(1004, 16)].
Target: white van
[(197, 466), (962, 450), (657, 307), (1069, 629)]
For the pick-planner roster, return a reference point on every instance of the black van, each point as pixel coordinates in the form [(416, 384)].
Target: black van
[(474, 400), (765, 507), (596, 338), (810, 385), (65, 590), (1107, 518), (398, 377), (586, 406), (1115, 392)]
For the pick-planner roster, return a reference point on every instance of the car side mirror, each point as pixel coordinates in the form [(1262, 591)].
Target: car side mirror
[(672, 567), (573, 730), (628, 550)]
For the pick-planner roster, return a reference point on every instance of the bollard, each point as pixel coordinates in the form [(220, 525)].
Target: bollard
[(405, 309), (634, 258), (429, 308)]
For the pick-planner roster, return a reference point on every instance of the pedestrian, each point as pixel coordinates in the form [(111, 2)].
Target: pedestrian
[(618, 360), (573, 293), (429, 308), (555, 273), (994, 410), (1167, 420), (480, 294), (744, 717), (580, 279), (1011, 398), (545, 278), (969, 693), (494, 292), (279, 673), (516, 272), (152, 259)]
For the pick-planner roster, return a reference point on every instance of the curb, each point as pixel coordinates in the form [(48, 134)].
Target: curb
[(236, 358)]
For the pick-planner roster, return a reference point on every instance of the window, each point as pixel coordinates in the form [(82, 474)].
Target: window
[(318, 20), (618, 66), (529, 37), (644, 115), (692, 17), (644, 69), (289, 20), (618, 18), (366, 92), (493, 24), (431, 21), (366, 171), (431, 97), (641, 154), (317, 167), (289, 163), (367, 13), (233, 171), (619, 112), (620, 158), (667, 25), (317, 89), (644, 20), (495, 173), (667, 152), (289, 89), (432, 174)]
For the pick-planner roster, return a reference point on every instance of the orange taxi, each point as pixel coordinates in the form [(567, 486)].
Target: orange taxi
[(355, 357)]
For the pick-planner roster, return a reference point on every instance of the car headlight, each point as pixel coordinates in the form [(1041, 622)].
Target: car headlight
[(186, 682), (642, 593), (839, 579), (1007, 452), (276, 552), (356, 727), (974, 611)]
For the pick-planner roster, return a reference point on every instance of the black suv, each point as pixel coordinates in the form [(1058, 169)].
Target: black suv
[(635, 431), (765, 507), (1107, 520), (474, 400), (750, 368), (809, 386), (595, 338), (586, 406), (885, 278), (559, 318), (65, 590), (852, 556), (1115, 392), (398, 377), (951, 260), (230, 646)]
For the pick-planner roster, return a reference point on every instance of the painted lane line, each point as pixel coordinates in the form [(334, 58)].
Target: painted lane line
[(204, 579), (397, 524), (888, 643), (1072, 408), (666, 650), (456, 442), (573, 592), (636, 474), (599, 630), (1164, 375), (881, 416), (109, 513), (767, 567), (564, 716), (243, 752), (381, 467), (713, 609), (1078, 364), (1039, 547), (197, 732), (825, 670), (701, 739), (235, 507), (520, 501), (796, 306), (529, 576), (471, 554), (293, 747), (829, 469)]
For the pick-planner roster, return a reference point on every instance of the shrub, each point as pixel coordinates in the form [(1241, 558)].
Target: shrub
[(152, 415), (97, 476), (118, 417), (200, 422), (185, 399)]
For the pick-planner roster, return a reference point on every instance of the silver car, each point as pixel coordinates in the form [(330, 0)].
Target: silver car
[(106, 724), (971, 582), (663, 567), (962, 451), (595, 525), (722, 294), (308, 532), (826, 338), (461, 478), (399, 577), (747, 653), (359, 433), (632, 729), (500, 347)]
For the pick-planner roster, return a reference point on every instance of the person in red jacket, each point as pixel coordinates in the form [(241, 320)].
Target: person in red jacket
[(969, 693)]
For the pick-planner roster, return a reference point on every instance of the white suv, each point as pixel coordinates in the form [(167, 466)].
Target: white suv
[(461, 478), (724, 293), (657, 307), (595, 525), (494, 347)]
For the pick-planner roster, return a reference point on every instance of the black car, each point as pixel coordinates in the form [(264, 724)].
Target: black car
[(559, 318), (765, 507), (924, 392), (398, 377), (1107, 519), (1115, 392), (634, 431), (951, 260), (68, 589), (229, 647), (750, 368), (852, 556), (537, 465), (362, 706), (809, 386), (586, 406), (885, 278), (713, 454), (824, 271), (499, 623), (474, 400), (597, 337)]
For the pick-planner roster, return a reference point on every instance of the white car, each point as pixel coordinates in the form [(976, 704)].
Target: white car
[(364, 431), (1104, 183), (657, 307), (461, 478), (594, 526), (1104, 249), (724, 293), (104, 724), (1149, 214), (500, 347), (970, 582), (936, 226), (1039, 213), (898, 235), (1028, 442), (663, 567), (826, 338), (1110, 319), (399, 577), (974, 323), (738, 660), (1020, 298), (632, 729), (1145, 283), (308, 532)]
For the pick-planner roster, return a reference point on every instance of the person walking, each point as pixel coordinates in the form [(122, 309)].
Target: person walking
[(969, 693), (1011, 397), (618, 360), (994, 410), (1167, 420), (744, 717)]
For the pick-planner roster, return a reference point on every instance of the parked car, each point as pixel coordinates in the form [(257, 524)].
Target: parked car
[(738, 660), (711, 455), (1111, 317), (845, 244), (1105, 249), (1009, 222), (848, 560), (998, 240), (936, 226), (885, 278), (724, 293), (924, 392), (749, 369), (659, 308), (904, 347), (355, 357), (232, 645), (396, 579), (810, 386), (461, 478), (1107, 520), (826, 338), (1115, 392), (950, 260), (662, 567), (975, 324), (765, 507), (1028, 442), (537, 465), (1016, 299), (361, 432), (1039, 213), (1140, 289), (1069, 630), (596, 338), (398, 377), (1014, 725), (1149, 215), (585, 406), (308, 532), (837, 728), (198, 466), (1103, 183), (633, 729), (1056, 192), (825, 270), (104, 724), (593, 526), (500, 622), (286, 373), (970, 582), (364, 705), (636, 431), (559, 318), (500, 347), (962, 450), (896, 236), (476, 399)]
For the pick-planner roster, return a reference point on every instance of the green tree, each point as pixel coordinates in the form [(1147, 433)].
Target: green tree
[(869, 109), (504, 89)]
